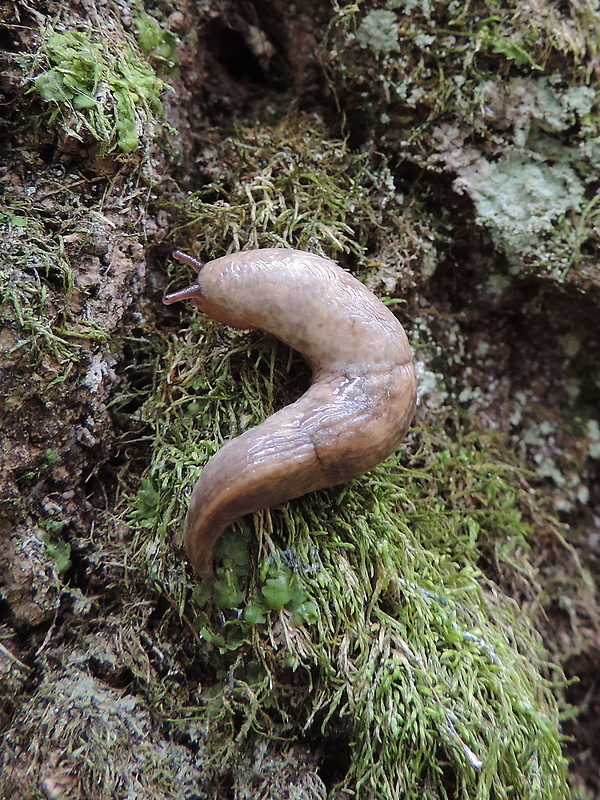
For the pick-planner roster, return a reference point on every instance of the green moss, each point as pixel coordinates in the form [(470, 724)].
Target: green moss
[(283, 185), (158, 43), (58, 550), (288, 184), (442, 50), (98, 87), (489, 37), (364, 606), (36, 285), (370, 590), (461, 92)]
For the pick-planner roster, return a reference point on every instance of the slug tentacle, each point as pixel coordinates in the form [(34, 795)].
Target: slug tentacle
[(189, 260), (355, 413), (189, 293)]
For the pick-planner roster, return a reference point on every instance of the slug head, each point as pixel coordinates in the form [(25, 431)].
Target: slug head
[(202, 294)]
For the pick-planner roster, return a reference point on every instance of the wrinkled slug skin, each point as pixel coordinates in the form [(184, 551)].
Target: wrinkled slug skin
[(355, 413)]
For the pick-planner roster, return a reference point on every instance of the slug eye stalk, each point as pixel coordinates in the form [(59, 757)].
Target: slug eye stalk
[(189, 260)]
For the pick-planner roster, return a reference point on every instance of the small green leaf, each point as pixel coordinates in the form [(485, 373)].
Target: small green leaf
[(277, 592), (253, 615), (196, 407), (148, 31), (148, 499), (61, 553), (227, 595), (200, 621), (202, 593), (51, 87), (297, 594), (84, 101), (309, 611), (232, 549), (52, 457)]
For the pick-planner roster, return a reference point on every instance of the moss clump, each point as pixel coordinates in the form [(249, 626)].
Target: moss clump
[(36, 286), (429, 55), (288, 184), (95, 86), (158, 43), (284, 185), (369, 592), (91, 729)]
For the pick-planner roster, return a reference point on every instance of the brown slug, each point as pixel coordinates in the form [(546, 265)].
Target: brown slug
[(355, 413)]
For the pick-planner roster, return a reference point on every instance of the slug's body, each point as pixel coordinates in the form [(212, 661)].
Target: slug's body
[(355, 413)]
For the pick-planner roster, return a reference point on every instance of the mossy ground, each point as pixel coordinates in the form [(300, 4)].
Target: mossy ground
[(371, 592), (480, 93), (388, 638)]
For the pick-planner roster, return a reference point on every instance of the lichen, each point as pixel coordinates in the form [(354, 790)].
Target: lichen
[(379, 31), (455, 74), (521, 201)]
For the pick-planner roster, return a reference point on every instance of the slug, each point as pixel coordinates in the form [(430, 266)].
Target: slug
[(354, 414)]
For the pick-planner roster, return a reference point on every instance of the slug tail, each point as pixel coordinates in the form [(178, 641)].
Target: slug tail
[(267, 465)]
